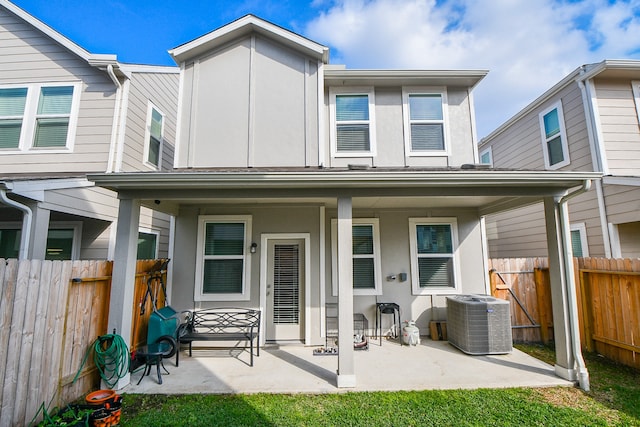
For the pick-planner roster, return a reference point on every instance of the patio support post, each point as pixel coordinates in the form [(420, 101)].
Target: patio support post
[(565, 361), (346, 365), (39, 232), (124, 272)]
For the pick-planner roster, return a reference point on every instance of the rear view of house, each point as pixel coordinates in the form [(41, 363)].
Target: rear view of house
[(297, 184), (589, 121), (65, 112)]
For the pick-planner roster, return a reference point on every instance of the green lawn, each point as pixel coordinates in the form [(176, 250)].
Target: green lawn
[(613, 400)]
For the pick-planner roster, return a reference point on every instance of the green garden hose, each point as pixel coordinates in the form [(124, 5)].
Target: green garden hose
[(111, 356)]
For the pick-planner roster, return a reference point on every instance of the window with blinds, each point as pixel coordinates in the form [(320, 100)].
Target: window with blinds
[(222, 263), (424, 121), (366, 274), (12, 104), (433, 254), (286, 284), (37, 116), (53, 115), (352, 122)]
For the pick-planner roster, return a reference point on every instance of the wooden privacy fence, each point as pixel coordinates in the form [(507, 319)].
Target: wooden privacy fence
[(608, 295), (51, 312)]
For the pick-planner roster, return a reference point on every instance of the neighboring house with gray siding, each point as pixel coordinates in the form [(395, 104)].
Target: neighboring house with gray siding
[(64, 113), (589, 121), (298, 183)]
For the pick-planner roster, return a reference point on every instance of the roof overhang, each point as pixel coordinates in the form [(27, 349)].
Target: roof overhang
[(485, 191), (346, 77), (242, 27)]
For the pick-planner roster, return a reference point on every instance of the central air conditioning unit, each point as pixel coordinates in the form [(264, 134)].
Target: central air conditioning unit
[(479, 324)]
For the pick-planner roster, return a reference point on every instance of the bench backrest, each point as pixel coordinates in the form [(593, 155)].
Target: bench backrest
[(224, 321)]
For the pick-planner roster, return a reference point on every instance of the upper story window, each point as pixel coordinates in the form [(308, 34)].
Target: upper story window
[(154, 137), (222, 260), (38, 116), (367, 270), (434, 255), (352, 122), (424, 112), (486, 156), (554, 137)]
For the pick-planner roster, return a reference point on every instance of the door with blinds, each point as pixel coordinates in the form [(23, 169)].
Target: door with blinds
[(285, 299)]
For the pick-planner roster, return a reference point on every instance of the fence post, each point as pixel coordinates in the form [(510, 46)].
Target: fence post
[(585, 293), (542, 298), (493, 281)]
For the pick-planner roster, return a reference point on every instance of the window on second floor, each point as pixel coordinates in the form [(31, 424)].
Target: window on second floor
[(635, 85), (352, 123), (424, 112), (554, 137), (38, 116), (486, 156), (154, 137)]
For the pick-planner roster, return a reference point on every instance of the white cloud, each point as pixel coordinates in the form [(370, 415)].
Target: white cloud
[(527, 45)]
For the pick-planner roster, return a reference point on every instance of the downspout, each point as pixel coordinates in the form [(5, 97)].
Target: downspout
[(583, 374), (116, 118), (25, 235)]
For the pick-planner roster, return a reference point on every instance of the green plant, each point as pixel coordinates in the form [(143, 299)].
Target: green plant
[(72, 415)]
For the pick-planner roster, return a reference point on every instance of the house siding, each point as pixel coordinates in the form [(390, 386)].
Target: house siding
[(28, 56), (619, 124), (162, 90), (522, 232), (241, 100)]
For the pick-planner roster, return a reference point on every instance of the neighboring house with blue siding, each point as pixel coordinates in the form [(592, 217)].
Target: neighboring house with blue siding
[(589, 121), (64, 113)]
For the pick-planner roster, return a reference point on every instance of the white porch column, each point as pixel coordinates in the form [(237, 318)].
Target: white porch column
[(39, 232), (124, 272), (346, 365), (565, 359)]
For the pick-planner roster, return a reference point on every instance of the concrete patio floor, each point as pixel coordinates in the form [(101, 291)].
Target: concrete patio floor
[(390, 367)]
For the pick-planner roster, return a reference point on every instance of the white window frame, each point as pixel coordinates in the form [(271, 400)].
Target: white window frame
[(147, 137), (377, 257), (154, 232), (563, 137), (488, 151), (27, 132), (408, 147), (635, 86), (370, 92), (413, 244), (77, 235), (245, 295), (581, 228)]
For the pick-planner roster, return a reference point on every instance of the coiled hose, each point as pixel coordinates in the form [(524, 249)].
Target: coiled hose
[(111, 357)]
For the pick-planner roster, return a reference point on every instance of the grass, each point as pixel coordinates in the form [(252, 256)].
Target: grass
[(614, 399)]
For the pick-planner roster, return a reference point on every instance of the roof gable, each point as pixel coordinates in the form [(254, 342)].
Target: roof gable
[(92, 59), (246, 25)]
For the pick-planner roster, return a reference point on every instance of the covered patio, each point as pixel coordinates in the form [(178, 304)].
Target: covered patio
[(386, 367)]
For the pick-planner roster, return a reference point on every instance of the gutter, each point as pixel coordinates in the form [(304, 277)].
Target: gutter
[(583, 374), (25, 235), (116, 118)]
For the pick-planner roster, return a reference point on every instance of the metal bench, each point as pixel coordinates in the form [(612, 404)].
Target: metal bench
[(221, 324)]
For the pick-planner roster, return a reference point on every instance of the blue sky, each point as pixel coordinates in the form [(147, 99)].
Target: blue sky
[(527, 45)]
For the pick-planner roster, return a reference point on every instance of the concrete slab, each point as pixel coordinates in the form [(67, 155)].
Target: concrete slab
[(390, 367)]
